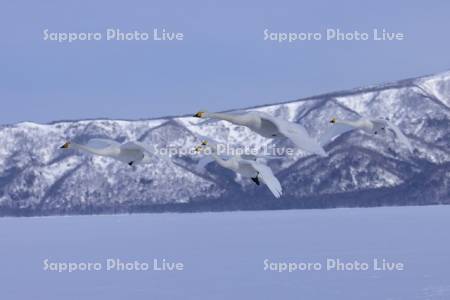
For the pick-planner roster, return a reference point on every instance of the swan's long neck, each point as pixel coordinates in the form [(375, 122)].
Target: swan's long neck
[(356, 124), (222, 162), (103, 152), (235, 119)]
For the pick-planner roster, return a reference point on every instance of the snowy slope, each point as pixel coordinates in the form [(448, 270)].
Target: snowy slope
[(38, 178)]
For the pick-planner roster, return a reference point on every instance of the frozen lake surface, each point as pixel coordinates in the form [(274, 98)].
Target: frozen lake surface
[(223, 254)]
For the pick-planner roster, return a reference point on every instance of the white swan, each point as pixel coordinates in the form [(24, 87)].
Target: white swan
[(132, 153), (371, 126), (246, 166), (270, 127)]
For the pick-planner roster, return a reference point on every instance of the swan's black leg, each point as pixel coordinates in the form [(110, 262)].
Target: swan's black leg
[(131, 163), (256, 179)]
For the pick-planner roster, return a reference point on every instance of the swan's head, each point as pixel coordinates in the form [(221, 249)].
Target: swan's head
[(65, 146), (197, 149), (200, 147), (200, 114), (333, 121)]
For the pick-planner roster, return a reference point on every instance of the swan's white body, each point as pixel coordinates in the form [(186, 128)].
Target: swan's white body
[(370, 126), (270, 127), (247, 166), (132, 153)]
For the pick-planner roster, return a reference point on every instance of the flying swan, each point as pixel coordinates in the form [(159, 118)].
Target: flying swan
[(132, 153), (270, 127), (245, 165), (371, 126)]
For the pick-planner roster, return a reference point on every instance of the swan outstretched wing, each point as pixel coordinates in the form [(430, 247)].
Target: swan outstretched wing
[(132, 152), (137, 146), (267, 177), (132, 147), (334, 131), (203, 162), (396, 131), (262, 157), (299, 136)]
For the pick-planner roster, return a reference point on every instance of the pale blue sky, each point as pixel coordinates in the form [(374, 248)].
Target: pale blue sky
[(222, 63)]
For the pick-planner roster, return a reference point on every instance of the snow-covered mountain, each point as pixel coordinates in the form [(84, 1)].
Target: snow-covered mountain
[(37, 178)]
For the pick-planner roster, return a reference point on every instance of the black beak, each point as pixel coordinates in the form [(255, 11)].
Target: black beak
[(65, 146), (198, 115)]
